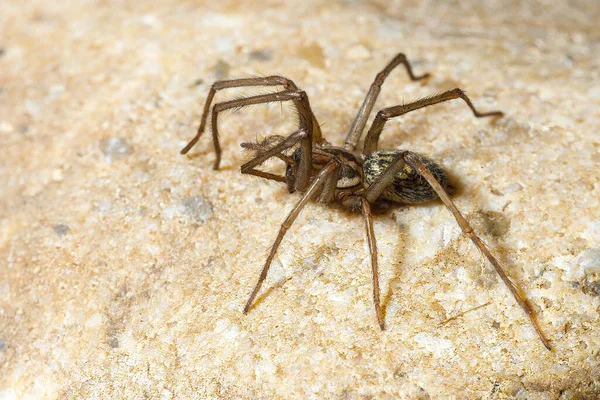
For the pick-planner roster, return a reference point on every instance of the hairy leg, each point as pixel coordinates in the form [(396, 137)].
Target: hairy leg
[(414, 161), (309, 194), (384, 115), (275, 151), (234, 83), (366, 211), (299, 99), (360, 121)]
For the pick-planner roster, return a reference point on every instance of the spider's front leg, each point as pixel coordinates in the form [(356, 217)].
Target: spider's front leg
[(235, 83), (291, 93), (310, 193), (298, 97), (360, 121)]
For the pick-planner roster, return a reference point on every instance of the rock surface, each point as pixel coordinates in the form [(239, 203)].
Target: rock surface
[(124, 266)]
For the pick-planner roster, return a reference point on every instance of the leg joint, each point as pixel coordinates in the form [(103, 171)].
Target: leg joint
[(383, 114)]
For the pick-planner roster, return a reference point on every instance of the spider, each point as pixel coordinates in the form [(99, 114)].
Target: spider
[(355, 179)]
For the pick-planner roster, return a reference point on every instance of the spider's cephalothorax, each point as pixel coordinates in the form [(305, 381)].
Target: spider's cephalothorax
[(345, 175)]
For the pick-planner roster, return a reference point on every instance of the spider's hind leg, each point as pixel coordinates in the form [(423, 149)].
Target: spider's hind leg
[(413, 160)]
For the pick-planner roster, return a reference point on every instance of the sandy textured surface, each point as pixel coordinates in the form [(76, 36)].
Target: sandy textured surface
[(124, 266)]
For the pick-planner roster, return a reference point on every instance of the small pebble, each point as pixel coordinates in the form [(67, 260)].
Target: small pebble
[(221, 70), (113, 342), (2, 344), (115, 149), (60, 229), (261, 55), (197, 82), (313, 53), (591, 285), (492, 222), (586, 267), (197, 207)]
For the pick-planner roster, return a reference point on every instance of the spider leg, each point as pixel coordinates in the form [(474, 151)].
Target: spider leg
[(299, 99), (385, 114), (329, 187), (386, 178), (303, 174), (234, 83), (366, 211), (309, 194), (414, 161), (367, 106)]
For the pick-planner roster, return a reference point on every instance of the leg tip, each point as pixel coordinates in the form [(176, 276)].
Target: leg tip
[(247, 308)]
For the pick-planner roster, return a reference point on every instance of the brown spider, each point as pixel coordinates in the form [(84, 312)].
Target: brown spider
[(355, 179)]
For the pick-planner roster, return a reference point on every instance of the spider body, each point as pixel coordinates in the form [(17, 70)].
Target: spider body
[(356, 172), (349, 177), (356, 179)]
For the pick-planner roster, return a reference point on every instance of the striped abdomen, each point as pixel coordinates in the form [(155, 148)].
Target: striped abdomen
[(408, 186)]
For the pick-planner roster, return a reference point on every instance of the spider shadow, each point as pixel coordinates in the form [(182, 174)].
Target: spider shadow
[(484, 276), (386, 209), (277, 285), (396, 260)]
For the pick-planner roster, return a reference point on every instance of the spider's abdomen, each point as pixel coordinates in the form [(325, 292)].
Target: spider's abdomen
[(408, 186)]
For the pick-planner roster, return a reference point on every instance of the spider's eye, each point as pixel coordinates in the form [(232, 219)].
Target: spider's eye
[(349, 177)]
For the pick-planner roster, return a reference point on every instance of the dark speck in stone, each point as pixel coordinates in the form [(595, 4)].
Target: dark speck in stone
[(221, 70), (60, 229), (261, 55)]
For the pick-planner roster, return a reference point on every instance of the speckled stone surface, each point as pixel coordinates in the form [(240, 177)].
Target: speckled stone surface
[(124, 266)]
